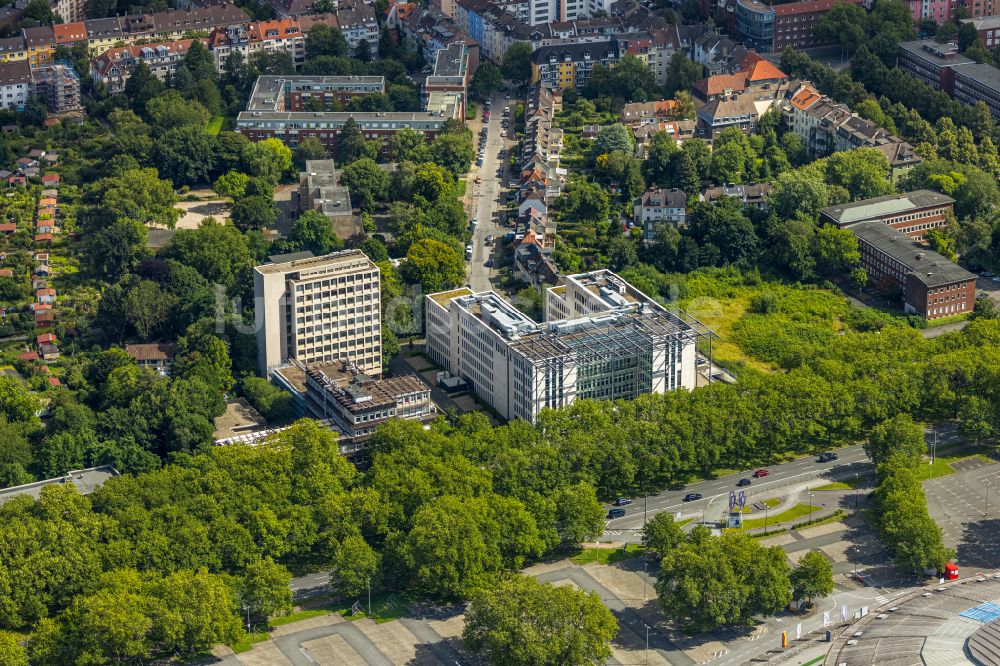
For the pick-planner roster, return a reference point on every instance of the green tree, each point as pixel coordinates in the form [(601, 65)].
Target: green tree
[(232, 184), (11, 652), (314, 232), (135, 194), (516, 65), (524, 623), (269, 159), (195, 611), (863, 172), (612, 138), (116, 249), (219, 252), (835, 249), (453, 151), (433, 265), (355, 566), (366, 182), (813, 577), (977, 418), (184, 154), (255, 212), (325, 40), (798, 192), (898, 435), (352, 145), (578, 514), (446, 551), (170, 110), (263, 588), (487, 79), (682, 73), (309, 148), (17, 403), (662, 534), (844, 24)]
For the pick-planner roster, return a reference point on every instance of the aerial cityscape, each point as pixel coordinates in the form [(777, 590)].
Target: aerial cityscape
[(499, 332)]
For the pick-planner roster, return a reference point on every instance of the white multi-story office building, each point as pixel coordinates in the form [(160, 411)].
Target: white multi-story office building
[(317, 309), (603, 339)]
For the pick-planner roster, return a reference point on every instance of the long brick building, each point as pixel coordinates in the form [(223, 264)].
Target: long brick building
[(931, 285), (912, 213)]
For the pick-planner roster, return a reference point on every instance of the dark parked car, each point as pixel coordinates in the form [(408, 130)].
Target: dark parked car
[(743, 482), (622, 501), (616, 513), (692, 497), (827, 457)]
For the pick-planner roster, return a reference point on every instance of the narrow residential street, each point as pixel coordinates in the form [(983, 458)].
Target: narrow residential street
[(486, 194)]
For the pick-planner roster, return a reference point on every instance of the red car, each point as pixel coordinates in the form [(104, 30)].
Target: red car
[(760, 473)]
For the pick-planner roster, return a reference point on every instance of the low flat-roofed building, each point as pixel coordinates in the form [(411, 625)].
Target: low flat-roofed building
[(86, 481), (912, 213), (320, 190), (932, 286), (353, 402)]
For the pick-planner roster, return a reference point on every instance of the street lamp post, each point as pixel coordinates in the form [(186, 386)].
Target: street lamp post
[(810, 505), (857, 486), (987, 513), (369, 596), (646, 659), (644, 580), (766, 507)]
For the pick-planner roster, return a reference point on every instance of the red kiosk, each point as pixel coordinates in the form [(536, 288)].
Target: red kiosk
[(950, 571)]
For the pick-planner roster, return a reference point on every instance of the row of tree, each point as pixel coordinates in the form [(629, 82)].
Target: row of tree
[(897, 447)]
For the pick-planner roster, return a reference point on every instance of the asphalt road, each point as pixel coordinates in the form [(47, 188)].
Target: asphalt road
[(485, 195), (715, 493)]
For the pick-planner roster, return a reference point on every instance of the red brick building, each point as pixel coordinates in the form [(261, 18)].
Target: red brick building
[(912, 213), (793, 23), (931, 285)]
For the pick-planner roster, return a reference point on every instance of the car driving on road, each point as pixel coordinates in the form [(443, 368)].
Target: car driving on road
[(760, 473), (692, 497), (742, 483), (622, 501), (616, 513), (827, 457)]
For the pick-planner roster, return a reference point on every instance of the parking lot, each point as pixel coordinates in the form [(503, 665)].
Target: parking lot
[(966, 505)]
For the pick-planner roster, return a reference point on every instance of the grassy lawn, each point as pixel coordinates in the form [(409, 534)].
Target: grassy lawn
[(773, 502), (246, 645), (460, 188), (470, 110), (942, 465), (847, 484), (934, 323), (796, 511), (836, 517), (214, 125), (298, 616), (385, 608), (682, 523), (607, 555)]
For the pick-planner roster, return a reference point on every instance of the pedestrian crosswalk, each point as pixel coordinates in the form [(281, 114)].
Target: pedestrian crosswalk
[(881, 599)]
